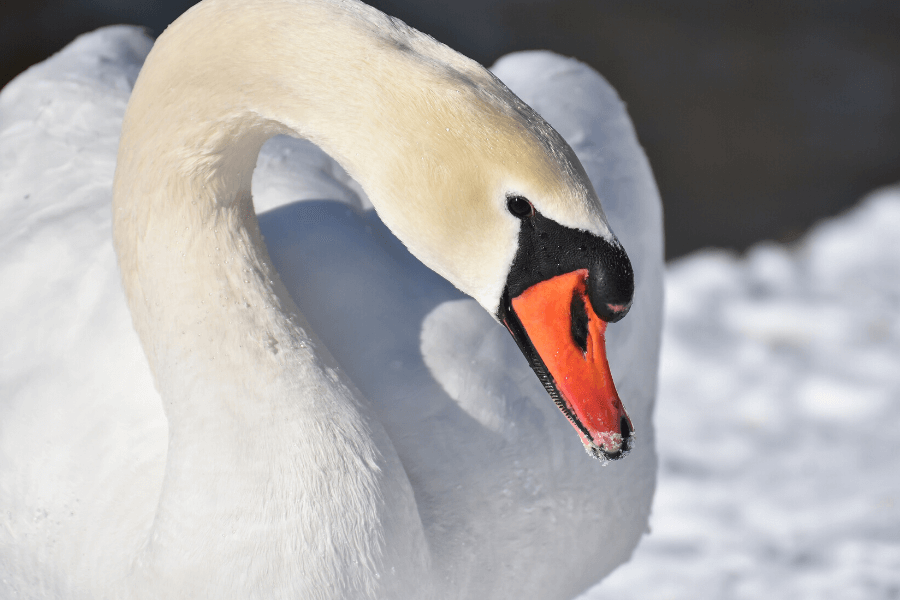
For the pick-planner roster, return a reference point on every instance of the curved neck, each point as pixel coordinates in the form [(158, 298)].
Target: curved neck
[(264, 432), (436, 141)]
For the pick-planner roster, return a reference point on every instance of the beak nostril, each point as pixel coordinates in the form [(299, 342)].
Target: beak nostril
[(579, 322)]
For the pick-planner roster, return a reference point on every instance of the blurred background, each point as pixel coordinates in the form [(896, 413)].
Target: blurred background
[(760, 118)]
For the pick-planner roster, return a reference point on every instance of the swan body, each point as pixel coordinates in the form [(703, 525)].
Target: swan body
[(319, 415)]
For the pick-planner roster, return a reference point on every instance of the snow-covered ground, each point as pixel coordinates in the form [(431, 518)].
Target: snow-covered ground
[(779, 421)]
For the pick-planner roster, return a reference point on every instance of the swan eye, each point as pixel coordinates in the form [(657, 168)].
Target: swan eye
[(519, 207)]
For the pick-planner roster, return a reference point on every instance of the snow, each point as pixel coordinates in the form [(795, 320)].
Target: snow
[(777, 421)]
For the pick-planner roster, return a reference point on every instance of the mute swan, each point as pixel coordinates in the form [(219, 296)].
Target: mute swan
[(404, 449)]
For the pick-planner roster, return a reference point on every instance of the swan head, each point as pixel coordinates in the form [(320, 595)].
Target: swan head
[(563, 288), (490, 196)]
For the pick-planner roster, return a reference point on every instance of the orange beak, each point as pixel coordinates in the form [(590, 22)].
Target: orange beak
[(564, 340)]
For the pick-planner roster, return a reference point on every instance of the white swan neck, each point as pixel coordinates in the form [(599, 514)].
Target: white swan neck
[(271, 454)]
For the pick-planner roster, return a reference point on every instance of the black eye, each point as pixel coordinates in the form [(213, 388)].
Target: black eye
[(519, 207)]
